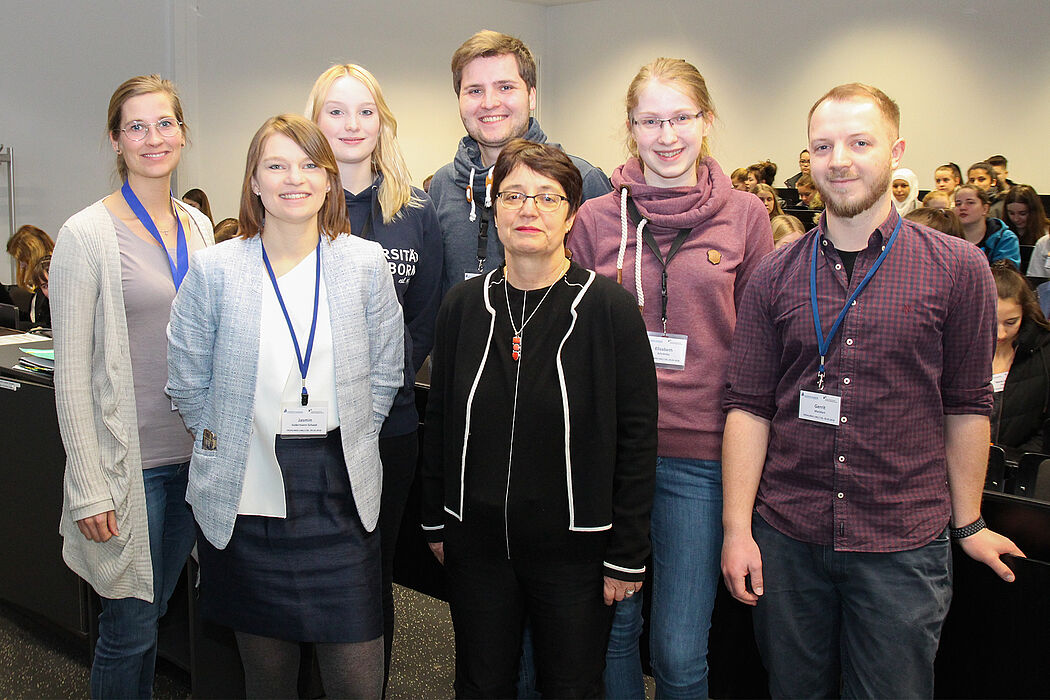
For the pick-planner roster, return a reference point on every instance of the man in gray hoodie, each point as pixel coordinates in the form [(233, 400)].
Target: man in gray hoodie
[(494, 76)]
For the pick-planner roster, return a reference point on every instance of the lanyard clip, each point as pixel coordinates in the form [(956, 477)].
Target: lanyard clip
[(820, 375), (306, 395)]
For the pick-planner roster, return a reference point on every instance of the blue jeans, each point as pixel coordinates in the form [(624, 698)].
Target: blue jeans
[(687, 545), (859, 624), (126, 651)]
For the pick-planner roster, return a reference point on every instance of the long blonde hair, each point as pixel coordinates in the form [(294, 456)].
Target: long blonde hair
[(395, 192), (685, 78)]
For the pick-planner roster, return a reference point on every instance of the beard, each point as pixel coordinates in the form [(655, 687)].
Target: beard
[(845, 207)]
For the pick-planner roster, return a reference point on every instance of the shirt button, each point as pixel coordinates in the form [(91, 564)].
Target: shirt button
[(840, 494), (845, 380), (843, 419), (838, 267), (849, 341), (842, 458)]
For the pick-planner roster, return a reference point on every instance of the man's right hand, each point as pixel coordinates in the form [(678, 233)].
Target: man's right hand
[(99, 528), (741, 558)]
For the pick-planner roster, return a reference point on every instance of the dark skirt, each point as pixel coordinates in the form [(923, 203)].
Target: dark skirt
[(313, 576)]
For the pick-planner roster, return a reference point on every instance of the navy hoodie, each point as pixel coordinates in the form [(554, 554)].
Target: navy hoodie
[(460, 218), (412, 245)]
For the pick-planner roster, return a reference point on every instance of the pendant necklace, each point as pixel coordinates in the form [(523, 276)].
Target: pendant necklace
[(515, 341)]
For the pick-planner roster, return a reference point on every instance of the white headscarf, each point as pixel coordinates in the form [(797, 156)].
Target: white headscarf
[(911, 203)]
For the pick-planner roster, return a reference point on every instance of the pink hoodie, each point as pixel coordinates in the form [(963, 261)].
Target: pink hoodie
[(729, 235)]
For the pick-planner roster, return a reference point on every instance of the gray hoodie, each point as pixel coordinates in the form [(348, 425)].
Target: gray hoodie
[(461, 218)]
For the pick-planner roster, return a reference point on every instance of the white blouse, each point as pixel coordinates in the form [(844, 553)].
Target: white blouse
[(278, 380)]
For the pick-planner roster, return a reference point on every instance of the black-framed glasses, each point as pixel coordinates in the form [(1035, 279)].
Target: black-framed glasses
[(167, 127), (678, 121), (545, 201)]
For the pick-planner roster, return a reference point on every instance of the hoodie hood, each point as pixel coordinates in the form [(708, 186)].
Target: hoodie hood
[(675, 207), (472, 176)]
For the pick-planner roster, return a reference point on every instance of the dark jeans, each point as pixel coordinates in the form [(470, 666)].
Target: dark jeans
[(857, 623), (490, 597), (399, 455), (126, 652)]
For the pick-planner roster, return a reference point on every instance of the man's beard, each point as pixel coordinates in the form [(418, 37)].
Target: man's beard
[(847, 209)]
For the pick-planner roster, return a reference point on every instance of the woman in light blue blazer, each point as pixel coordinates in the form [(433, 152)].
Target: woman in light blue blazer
[(285, 353)]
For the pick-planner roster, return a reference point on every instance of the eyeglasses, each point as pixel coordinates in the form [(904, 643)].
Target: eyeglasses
[(678, 121), (545, 201), (136, 131)]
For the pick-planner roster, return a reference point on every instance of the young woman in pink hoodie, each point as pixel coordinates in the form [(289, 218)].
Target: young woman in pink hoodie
[(676, 233)]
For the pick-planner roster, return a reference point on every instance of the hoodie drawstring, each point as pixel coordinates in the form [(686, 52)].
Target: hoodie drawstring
[(470, 197), (637, 249)]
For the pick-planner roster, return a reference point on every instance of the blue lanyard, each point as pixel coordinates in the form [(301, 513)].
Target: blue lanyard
[(181, 265), (304, 365), (823, 344)]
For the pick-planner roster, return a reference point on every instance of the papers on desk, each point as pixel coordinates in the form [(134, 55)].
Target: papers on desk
[(48, 354), (16, 338), (39, 365)]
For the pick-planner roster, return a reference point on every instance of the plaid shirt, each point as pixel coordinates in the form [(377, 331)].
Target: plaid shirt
[(917, 344)]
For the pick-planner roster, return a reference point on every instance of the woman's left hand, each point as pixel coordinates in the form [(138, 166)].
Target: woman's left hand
[(616, 590)]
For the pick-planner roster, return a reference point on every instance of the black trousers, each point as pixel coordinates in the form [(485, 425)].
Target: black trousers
[(490, 597), (398, 455)]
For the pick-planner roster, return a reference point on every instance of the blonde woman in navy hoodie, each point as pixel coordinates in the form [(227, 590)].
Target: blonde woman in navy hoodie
[(676, 234), (347, 103)]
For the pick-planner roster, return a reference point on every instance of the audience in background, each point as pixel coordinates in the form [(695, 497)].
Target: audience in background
[(197, 198), (27, 246), (905, 186), (1025, 214), (982, 174), (762, 173), (769, 198), (786, 229), (807, 193), (225, 230), (947, 177), (942, 219), (990, 234), (739, 180), (803, 165), (938, 199), (999, 164), (1021, 365)]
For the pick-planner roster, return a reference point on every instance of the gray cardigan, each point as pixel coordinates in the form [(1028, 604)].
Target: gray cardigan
[(213, 339), (95, 398)]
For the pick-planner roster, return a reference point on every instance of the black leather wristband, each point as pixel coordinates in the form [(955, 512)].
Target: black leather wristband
[(958, 533)]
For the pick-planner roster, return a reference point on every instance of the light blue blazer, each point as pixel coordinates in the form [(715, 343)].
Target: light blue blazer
[(213, 340)]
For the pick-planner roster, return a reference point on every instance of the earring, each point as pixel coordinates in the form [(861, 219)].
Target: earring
[(119, 152)]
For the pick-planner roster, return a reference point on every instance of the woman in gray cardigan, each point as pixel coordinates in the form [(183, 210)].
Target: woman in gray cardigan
[(285, 353), (115, 270)]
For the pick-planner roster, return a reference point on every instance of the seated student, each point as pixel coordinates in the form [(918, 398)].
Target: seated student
[(27, 246), (769, 198), (905, 186), (198, 199), (937, 199), (983, 175), (41, 298), (761, 173), (803, 166), (998, 163), (940, 219), (983, 230), (807, 193), (786, 229), (225, 230), (1025, 214), (947, 177), (1021, 365), (739, 180)]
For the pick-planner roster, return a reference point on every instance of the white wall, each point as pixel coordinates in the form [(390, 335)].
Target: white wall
[(970, 76)]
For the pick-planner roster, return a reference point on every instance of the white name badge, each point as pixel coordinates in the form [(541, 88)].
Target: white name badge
[(468, 275), (819, 408), (668, 350), (298, 421)]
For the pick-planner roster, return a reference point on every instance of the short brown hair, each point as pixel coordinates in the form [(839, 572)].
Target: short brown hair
[(544, 160), (487, 43), (859, 91), (331, 219), (27, 246), (943, 220), (133, 87)]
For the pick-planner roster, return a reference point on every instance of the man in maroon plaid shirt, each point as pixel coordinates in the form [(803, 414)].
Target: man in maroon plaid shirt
[(854, 445)]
